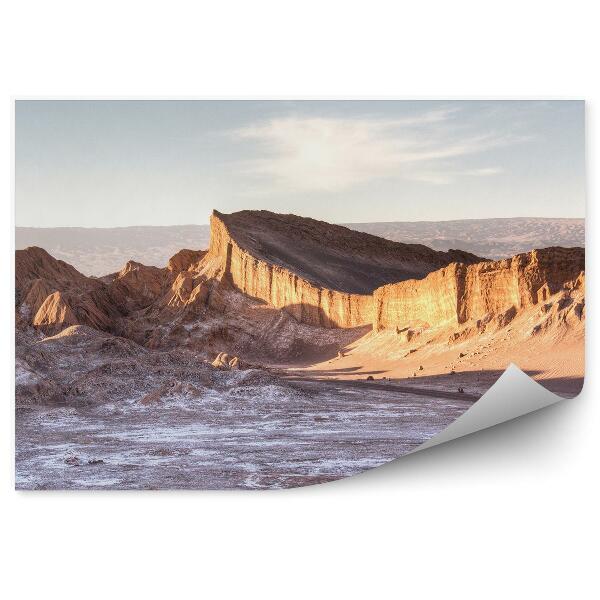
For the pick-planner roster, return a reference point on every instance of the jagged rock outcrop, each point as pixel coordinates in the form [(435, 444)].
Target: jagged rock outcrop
[(187, 291), (136, 285), (54, 314), (320, 273), (460, 293), (51, 295), (35, 293), (35, 263), (185, 259)]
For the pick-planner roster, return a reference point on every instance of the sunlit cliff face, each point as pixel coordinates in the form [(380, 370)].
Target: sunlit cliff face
[(448, 296)]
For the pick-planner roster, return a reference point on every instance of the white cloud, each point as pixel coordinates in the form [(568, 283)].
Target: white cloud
[(332, 154), (442, 177)]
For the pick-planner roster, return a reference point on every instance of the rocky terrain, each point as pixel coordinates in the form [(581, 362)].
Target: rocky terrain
[(288, 352), (97, 251), (461, 293), (99, 411), (322, 274), (545, 339)]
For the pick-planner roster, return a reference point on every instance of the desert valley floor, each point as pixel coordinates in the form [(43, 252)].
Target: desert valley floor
[(290, 352), (242, 436)]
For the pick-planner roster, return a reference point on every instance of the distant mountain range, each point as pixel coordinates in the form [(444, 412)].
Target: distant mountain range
[(99, 251), (492, 238)]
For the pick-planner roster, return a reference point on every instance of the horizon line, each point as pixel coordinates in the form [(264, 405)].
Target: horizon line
[(334, 223)]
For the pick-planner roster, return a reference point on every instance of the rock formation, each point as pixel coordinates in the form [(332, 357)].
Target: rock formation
[(224, 361), (54, 313), (459, 293), (52, 295), (137, 286), (184, 259), (325, 275), (35, 263), (322, 274), (281, 290)]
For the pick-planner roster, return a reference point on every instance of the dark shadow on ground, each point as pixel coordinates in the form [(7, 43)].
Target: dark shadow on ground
[(306, 354), (472, 383), (330, 373)]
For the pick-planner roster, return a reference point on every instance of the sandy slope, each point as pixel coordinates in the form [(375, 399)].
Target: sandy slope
[(545, 341)]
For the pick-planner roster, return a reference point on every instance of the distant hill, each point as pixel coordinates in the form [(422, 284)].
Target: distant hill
[(492, 238), (98, 251)]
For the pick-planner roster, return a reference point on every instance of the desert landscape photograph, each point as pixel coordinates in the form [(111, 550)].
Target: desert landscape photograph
[(274, 294)]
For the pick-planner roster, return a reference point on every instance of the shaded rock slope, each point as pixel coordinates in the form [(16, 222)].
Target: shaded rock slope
[(330, 256)]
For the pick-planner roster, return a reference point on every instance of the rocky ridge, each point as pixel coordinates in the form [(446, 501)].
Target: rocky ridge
[(460, 293), (243, 298), (321, 274)]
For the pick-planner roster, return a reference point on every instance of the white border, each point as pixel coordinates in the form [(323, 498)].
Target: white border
[(510, 512)]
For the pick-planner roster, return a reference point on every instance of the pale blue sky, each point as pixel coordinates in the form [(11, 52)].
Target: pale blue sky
[(119, 163)]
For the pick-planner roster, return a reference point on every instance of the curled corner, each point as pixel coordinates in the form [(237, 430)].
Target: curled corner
[(513, 395)]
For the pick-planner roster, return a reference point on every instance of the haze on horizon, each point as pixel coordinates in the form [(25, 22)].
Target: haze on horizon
[(126, 163)]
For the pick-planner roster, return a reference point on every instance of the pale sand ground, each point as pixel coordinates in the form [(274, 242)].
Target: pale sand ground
[(554, 357)]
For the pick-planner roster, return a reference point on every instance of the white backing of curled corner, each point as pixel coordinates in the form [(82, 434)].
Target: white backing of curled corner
[(514, 394)]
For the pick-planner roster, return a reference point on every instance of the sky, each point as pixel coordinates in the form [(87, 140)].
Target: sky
[(120, 163)]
